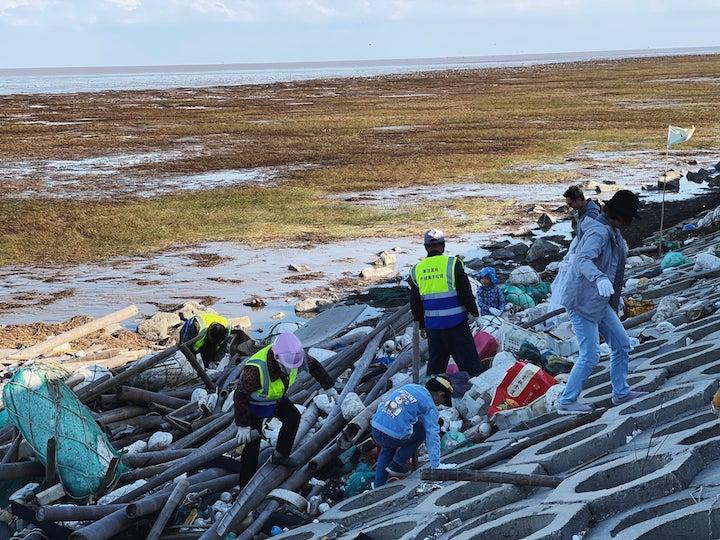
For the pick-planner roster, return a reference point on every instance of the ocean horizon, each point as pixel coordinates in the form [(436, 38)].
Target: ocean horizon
[(61, 80)]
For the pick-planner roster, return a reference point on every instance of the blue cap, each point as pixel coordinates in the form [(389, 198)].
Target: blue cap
[(434, 236)]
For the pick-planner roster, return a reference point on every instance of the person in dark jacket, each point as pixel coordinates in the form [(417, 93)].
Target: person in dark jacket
[(261, 393), (582, 208), (441, 299)]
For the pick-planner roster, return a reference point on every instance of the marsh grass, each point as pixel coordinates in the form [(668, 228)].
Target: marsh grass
[(467, 126)]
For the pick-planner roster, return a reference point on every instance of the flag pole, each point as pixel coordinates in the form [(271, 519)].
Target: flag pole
[(662, 206)]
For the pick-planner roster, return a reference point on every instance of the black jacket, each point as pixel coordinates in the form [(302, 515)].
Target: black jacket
[(462, 284)]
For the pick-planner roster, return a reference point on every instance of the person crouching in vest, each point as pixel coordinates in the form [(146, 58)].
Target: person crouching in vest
[(441, 299), (214, 331), (261, 393)]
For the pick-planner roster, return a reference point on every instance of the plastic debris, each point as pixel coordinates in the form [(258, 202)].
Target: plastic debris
[(351, 406), (523, 275), (451, 440), (673, 259), (160, 440)]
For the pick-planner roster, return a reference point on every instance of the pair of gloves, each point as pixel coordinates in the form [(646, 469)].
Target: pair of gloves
[(244, 435)]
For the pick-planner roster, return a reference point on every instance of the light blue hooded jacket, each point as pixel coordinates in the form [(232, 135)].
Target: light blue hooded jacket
[(397, 414), (600, 253)]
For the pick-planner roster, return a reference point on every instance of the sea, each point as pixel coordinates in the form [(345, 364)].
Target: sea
[(105, 79)]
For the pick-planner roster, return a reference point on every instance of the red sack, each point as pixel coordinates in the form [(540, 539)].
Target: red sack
[(485, 344), (523, 383)]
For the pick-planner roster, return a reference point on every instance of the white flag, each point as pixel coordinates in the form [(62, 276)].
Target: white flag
[(677, 135)]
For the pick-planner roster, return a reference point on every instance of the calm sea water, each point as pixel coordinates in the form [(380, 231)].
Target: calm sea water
[(71, 80)]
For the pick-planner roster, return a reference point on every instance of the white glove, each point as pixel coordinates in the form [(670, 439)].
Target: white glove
[(604, 287), (243, 435), (714, 409), (495, 311), (332, 394), (446, 466)]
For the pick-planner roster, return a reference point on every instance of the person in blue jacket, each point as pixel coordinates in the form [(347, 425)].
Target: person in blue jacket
[(403, 421), (592, 296), (490, 298)]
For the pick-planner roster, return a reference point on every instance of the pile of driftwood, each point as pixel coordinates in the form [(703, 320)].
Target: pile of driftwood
[(204, 452)]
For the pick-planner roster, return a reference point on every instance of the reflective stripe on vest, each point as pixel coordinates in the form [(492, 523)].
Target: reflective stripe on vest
[(204, 319), (435, 279), (270, 391)]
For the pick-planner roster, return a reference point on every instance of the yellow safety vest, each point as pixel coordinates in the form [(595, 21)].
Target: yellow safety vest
[(204, 319), (435, 279), (270, 391)]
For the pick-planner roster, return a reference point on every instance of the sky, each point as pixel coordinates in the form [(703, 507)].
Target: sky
[(61, 33)]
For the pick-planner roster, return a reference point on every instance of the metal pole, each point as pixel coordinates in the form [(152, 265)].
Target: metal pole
[(662, 206)]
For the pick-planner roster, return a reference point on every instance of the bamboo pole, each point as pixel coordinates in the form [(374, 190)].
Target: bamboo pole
[(491, 477), (71, 335)]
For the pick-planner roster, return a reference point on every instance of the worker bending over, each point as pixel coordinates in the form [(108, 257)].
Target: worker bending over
[(441, 298), (261, 393), (214, 331), (403, 421)]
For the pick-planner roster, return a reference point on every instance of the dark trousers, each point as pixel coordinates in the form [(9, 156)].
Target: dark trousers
[(288, 414), (456, 342)]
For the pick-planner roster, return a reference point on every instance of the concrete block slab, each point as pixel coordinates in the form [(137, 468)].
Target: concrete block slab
[(709, 371), (646, 381), (465, 500), (664, 404), (700, 520), (670, 289), (611, 487), (699, 329), (311, 531), (465, 457), (581, 445), (648, 349), (537, 523), (615, 526), (401, 526), (375, 503), (528, 429), (683, 359)]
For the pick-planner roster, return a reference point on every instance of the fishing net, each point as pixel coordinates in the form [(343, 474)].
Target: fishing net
[(41, 406), (170, 373)]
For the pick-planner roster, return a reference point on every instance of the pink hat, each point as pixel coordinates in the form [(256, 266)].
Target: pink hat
[(288, 350)]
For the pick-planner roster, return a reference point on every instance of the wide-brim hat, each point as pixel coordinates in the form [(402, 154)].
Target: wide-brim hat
[(624, 203)]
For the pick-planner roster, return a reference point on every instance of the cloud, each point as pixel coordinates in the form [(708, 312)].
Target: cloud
[(7, 6), (127, 5), (242, 10)]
